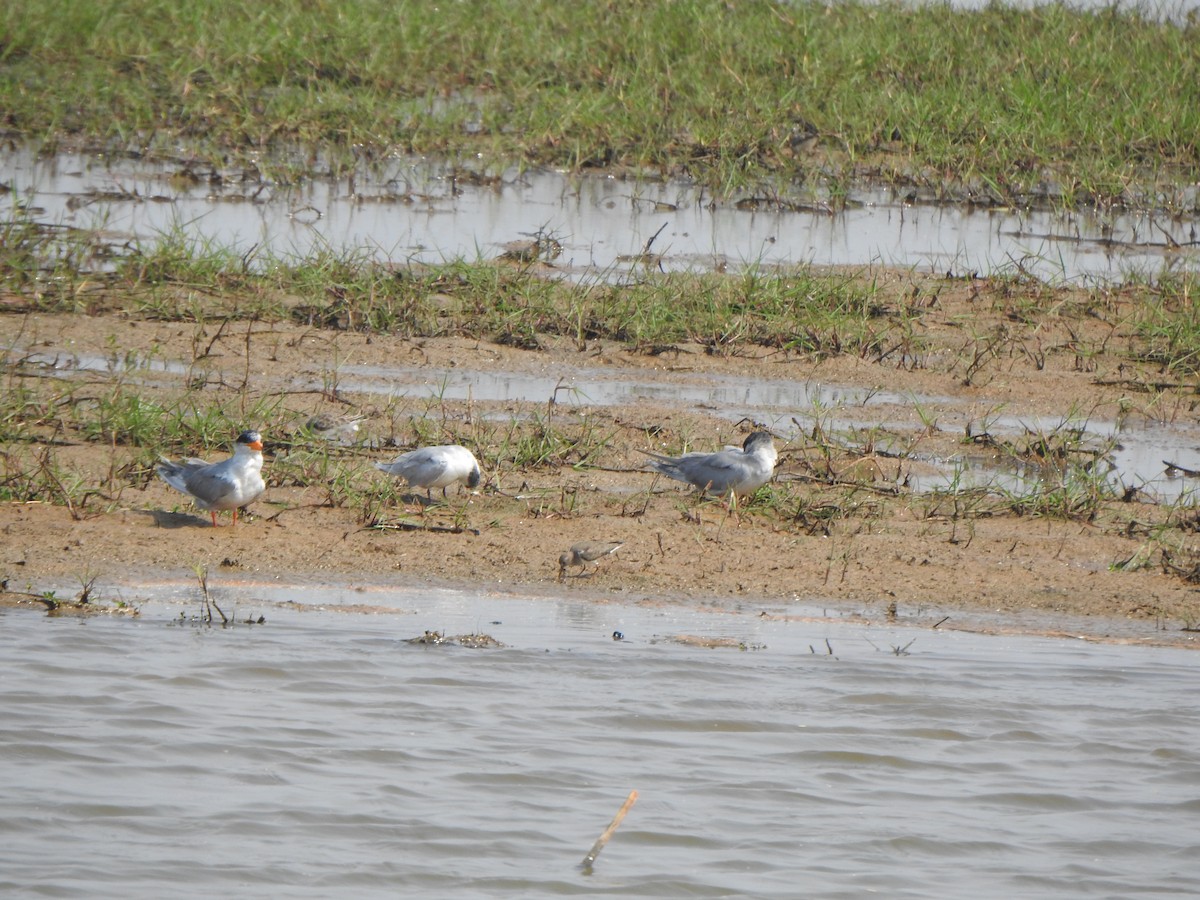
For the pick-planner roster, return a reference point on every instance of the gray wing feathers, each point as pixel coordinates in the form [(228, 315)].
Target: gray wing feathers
[(176, 474), (431, 467), (418, 467), (209, 487), (739, 469), (212, 485), (716, 471)]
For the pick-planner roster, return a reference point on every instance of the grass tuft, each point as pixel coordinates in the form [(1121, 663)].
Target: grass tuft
[(961, 103)]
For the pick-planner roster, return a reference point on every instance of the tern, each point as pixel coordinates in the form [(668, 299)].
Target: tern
[(734, 470), (435, 467), (582, 554), (228, 484)]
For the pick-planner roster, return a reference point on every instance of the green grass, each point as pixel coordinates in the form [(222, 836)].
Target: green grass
[(1169, 324), (49, 419), (180, 280), (991, 105), (801, 312)]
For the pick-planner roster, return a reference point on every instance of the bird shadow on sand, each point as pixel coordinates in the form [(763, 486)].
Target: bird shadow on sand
[(414, 499), (165, 519), (420, 502)]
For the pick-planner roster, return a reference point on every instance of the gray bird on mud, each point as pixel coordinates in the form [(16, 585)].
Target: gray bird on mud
[(734, 470), (228, 484), (582, 554)]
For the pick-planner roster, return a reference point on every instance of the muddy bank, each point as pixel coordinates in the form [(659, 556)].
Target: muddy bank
[(840, 524), (915, 569)]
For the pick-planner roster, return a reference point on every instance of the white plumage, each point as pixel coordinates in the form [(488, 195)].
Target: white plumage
[(435, 467), (734, 470), (228, 484)]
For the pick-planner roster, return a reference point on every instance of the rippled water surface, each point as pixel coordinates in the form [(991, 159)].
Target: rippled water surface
[(319, 754)]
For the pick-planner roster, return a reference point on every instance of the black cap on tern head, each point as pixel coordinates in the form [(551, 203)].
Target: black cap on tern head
[(757, 438), (250, 438)]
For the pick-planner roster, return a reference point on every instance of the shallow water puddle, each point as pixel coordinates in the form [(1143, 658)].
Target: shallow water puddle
[(1138, 452), (571, 386), (416, 211), (570, 616)]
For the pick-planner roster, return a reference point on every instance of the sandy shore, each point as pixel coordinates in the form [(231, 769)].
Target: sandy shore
[(838, 527)]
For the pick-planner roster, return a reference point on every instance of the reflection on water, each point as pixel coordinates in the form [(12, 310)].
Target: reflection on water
[(319, 755), (1137, 452), (582, 386), (410, 210)]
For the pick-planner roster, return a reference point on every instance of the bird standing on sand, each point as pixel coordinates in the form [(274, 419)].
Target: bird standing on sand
[(435, 467), (582, 554), (729, 471), (228, 484), (334, 428)]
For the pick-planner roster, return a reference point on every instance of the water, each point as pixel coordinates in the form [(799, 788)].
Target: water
[(406, 210), (1165, 10), (320, 755), (1139, 450)]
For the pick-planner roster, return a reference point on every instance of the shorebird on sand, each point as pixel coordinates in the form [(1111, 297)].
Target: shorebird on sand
[(435, 467), (334, 428), (734, 470), (582, 554), (228, 484)]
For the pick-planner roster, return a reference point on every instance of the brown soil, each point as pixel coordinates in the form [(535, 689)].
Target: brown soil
[(864, 546)]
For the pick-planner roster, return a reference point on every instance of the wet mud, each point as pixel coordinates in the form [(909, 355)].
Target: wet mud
[(894, 490)]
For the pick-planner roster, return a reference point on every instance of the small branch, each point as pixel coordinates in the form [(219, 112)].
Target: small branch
[(216, 337), (44, 462), (608, 832), (209, 603), (1176, 469), (653, 237), (417, 526)]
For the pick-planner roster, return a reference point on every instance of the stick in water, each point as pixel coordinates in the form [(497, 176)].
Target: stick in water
[(608, 832)]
